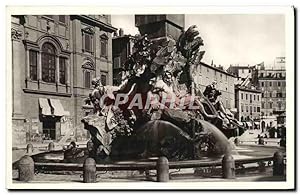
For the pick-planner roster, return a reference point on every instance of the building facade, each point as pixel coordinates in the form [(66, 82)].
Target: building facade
[(205, 74), (54, 58), (248, 104), (273, 85), (242, 71)]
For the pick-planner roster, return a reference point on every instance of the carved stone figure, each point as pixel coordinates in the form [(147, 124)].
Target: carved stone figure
[(159, 116)]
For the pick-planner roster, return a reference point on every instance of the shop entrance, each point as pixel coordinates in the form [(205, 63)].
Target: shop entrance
[(49, 129)]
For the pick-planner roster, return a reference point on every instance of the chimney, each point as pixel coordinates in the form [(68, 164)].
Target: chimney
[(121, 32)]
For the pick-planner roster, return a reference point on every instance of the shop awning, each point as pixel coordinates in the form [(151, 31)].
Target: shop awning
[(58, 108), (256, 123), (249, 124), (44, 105)]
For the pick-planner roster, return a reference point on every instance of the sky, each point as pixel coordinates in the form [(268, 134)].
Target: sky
[(231, 38)]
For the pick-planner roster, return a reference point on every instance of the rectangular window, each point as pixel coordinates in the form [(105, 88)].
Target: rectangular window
[(261, 74), (88, 42), (262, 95), (242, 107), (104, 48), (62, 70), (279, 83), (258, 109), (254, 109), (257, 97), (270, 105), (62, 19), (250, 97), (262, 105), (262, 84), (250, 109), (279, 95), (33, 65), (246, 96), (87, 79), (247, 109), (254, 96), (242, 95), (270, 83)]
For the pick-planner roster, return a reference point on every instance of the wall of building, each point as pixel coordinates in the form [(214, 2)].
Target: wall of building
[(205, 75), (30, 33), (248, 104), (273, 85)]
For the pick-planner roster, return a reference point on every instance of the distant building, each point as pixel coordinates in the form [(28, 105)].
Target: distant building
[(122, 48), (54, 58), (248, 104), (273, 85), (205, 74), (241, 71)]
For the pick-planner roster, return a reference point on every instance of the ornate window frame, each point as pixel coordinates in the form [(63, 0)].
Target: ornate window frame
[(59, 53), (88, 31), (104, 39), (88, 66)]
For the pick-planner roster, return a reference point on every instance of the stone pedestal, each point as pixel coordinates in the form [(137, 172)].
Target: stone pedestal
[(159, 27)]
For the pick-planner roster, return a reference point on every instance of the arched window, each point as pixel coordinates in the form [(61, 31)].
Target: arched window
[(48, 63)]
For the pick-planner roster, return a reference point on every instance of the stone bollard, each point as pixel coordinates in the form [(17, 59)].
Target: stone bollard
[(29, 148), (228, 167), (162, 169), (26, 169), (237, 141), (89, 171), (278, 165), (260, 141), (51, 146)]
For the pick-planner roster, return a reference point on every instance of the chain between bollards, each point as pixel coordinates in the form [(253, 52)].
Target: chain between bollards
[(162, 168), (26, 168)]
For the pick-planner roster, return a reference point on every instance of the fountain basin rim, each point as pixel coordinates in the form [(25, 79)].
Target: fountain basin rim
[(146, 165)]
